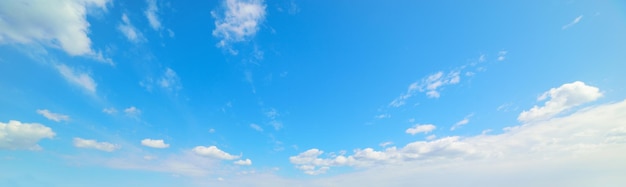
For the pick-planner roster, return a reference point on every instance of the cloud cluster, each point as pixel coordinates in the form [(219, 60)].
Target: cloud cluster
[(430, 85), (93, 144), (591, 129), (238, 22), (129, 30), (18, 135)]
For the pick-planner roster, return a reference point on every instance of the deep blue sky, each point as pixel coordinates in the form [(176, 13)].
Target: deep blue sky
[(312, 93)]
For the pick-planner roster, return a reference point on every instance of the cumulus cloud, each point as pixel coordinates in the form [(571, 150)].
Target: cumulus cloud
[(213, 152), (418, 128), (60, 24), (53, 116), (18, 135), (245, 162), (430, 85), (560, 99), (238, 22), (585, 132), (77, 78), (152, 14), (574, 22), (129, 30), (93, 144), (160, 144)]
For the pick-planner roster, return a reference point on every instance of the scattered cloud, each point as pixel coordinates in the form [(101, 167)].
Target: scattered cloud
[(464, 121), (385, 144), (502, 55), (152, 14), (574, 22), (132, 111), (170, 81), (256, 127), (238, 22), (430, 85), (382, 116), (18, 135), (159, 144), (109, 111), (212, 130), (81, 79), (560, 99), (213, 152), (131, 33), (418, 128), (431, 137), (245, 162), (61, 24), (93, 144), (580, 136), (53, 116)]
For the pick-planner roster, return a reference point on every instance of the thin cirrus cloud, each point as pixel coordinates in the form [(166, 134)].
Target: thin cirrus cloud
[(18, 135), (93, 144), (524, 141), (151, 14), (238, 21), (560, 99), (464, 121), (431, 85), (159, 144), (130, 32), (574, 22), (77, 78), (53, 116)]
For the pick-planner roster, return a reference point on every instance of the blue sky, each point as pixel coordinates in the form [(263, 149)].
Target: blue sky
[(312, 93)]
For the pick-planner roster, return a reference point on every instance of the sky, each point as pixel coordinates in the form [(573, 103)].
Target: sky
[(312, 93)]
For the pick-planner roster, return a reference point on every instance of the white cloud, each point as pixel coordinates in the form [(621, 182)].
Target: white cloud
[(574, 22), (131, 33), (426, 128), (238, 22), (581, 136), (160, 144), (382, 116), (430, 85), (502, 55), (151, 14), (81, 79), (93, 144), (170, 80), (213, 152), (60, 24), (256, 127), (132, 111), (18, 135), (560, 99), (109, 110), (53, 116), (245, 162), (464, 121), (385, 144)]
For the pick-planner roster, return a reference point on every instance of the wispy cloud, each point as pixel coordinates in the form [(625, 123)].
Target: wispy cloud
[(464, 121), (132, 112), (81, 79), (574, 22), (430, 85), (152, 14), (502, 55), (256, 127), (53, 116), (170, 80), (93, 144), (110, 110), (131, 33), (238, 22)]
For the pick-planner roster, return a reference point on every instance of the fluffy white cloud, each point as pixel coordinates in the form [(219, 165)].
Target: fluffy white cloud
[(152, 14), (239, 21), (60, 24), (53, 116), (429, 85), (18, 135), (574, 22), (93, 144), (160, 144), (213, 152), (127, 28), (426, 128), (245, 162), (560, 99), (589, 132), (81, 79), (256, 127), (132, 111)]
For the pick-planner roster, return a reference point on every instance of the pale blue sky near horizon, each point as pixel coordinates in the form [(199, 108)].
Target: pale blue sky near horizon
[(308, 93)]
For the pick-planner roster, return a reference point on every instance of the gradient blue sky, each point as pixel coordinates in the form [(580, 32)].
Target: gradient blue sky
[(312, 93)]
